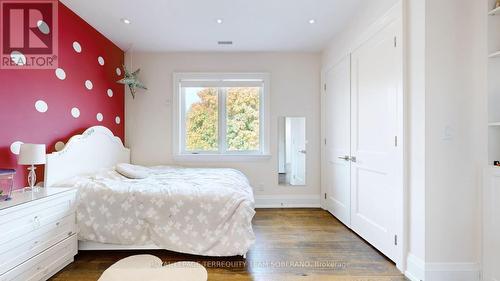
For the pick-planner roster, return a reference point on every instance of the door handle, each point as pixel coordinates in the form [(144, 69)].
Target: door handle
[(345, 158), (302, 151)]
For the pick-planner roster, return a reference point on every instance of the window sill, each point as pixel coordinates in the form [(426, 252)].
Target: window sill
[(221, 158)]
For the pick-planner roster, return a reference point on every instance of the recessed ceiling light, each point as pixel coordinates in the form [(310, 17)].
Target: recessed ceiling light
[(126, 21), (312, 21), (219, 21)]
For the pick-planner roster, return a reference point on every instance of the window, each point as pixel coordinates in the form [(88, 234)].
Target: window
[(220, 114)]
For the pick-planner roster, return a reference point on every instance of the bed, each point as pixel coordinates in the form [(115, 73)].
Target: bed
[(196, 211)]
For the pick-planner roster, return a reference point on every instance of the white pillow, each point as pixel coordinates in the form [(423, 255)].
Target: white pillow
[(132, 171)]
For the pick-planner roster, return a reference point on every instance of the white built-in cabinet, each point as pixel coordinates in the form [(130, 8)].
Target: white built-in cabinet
[(491, 191), (362, 155), (494, 84), (491, 232)]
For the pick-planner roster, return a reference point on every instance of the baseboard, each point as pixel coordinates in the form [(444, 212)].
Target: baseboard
[(287, 201), (415, 268), (452, 272), (418, 270)]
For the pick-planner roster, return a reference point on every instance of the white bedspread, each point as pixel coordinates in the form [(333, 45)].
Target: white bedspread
[(195, 211)]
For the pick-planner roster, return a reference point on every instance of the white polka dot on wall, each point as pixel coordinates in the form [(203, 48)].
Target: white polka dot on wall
[(41, 106), (15, 147), (89, 85), (43, 27), (77, 47), (118, 120), (60, 73), (118, 71), (110, 92), (18, 57), (75, 112), (99, 117), (100, 60), (59, 146)]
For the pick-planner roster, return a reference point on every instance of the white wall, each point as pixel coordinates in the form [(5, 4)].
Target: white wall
[(456, 136), (415, 130), (295, 91), (342, 43)]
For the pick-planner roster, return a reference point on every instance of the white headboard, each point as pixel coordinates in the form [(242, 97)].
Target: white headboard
[(97, 148)]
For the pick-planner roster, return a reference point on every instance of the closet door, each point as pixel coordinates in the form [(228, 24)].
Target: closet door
[(376, 159), (337, 140)]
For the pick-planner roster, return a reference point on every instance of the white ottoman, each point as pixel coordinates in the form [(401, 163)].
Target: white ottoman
[(150, 268)]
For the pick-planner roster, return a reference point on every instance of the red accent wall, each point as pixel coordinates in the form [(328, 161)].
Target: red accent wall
[(21, 89)]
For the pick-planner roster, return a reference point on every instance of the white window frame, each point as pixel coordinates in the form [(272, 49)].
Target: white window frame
[(220, 80)]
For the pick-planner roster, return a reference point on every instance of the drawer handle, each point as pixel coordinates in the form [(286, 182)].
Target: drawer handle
[(34, 244), (58, 223), (36, 221), (70, 233)]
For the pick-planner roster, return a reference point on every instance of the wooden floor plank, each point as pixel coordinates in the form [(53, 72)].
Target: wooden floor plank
[(292, 245)]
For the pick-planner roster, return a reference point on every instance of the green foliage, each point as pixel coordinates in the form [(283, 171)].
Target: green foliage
[(242, 118), (242, 109), (201, 123)]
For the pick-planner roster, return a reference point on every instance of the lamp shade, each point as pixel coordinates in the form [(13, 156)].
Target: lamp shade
[(31, 154)]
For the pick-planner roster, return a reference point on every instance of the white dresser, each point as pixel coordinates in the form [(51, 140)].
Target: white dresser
[(37, 234)]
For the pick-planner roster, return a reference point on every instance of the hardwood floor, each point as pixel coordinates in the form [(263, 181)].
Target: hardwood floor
[(292, 244)]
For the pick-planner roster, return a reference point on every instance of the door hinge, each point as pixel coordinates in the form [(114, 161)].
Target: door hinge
[(324, 87), (395, 240), (325, 141), (395, 141), (325, 196), (395, 41)]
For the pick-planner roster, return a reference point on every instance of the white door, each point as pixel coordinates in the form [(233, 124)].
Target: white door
[(376, 118), (337, 108), (298, 147)]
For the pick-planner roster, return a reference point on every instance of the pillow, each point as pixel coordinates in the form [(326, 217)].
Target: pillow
[(132, 171)]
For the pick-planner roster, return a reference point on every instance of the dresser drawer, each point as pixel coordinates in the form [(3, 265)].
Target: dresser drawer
[(34, 216), (45, 264), (24, 247)]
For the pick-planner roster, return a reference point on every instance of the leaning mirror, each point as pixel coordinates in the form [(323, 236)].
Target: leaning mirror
[(292, 150)]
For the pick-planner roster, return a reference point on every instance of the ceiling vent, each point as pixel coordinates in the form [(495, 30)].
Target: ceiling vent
[(225, 42)]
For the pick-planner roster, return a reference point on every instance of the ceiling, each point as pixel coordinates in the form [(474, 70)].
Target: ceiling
[(191, 25)]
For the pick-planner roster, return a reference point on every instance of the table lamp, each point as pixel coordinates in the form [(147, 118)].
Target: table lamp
[(31, 154)]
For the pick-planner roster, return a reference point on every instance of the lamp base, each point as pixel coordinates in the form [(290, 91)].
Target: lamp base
[(32, 189), (32, 180)]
